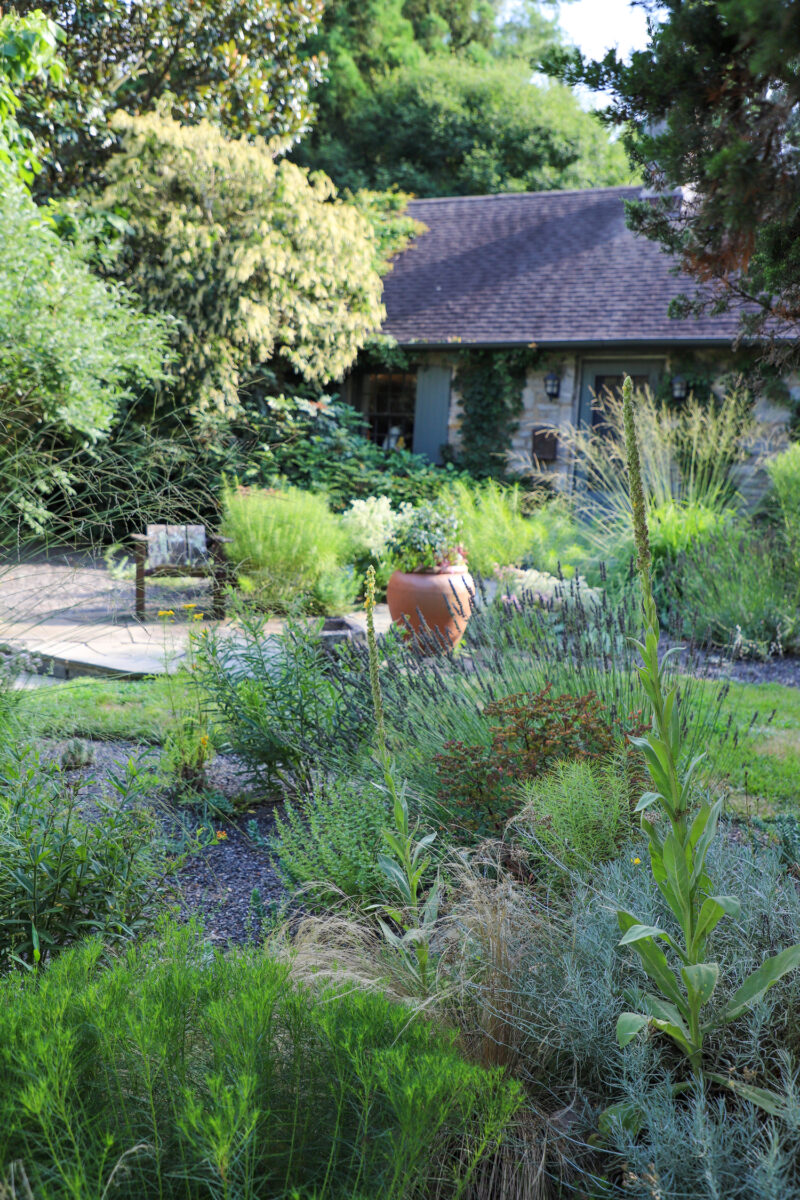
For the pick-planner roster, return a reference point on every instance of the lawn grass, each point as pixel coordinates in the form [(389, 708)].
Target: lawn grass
[(764, 769), (103, 709)]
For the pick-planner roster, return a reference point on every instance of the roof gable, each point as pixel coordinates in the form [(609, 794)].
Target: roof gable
[(537, 267)]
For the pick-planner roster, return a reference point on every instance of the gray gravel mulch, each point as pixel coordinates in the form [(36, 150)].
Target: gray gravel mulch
[(230, 883), (708, 664), (233, 882)]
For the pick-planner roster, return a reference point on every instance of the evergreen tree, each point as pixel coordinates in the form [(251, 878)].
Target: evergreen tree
[(711, 106)]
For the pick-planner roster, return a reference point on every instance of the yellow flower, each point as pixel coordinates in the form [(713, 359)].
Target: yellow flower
[(188, 606), (166, 612), (636, 861), (221, 835), (197, 616)]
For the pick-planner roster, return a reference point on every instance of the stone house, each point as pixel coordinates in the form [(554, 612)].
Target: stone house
[(558, 271)]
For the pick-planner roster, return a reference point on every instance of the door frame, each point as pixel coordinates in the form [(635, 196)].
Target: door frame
[(654, 364)]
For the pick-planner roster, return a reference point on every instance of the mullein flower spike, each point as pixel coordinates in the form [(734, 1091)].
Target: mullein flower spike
[(678, 846), (372, 647), (638, 503)]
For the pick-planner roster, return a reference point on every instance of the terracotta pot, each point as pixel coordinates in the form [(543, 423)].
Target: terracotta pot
[(441, 597)]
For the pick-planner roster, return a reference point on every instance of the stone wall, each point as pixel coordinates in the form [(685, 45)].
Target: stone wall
[(750, 477), (540, 411)]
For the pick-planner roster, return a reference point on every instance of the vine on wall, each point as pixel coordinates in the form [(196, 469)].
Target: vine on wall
[(490, 383)]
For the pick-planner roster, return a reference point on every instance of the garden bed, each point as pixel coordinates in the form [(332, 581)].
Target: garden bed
[(229, 882)]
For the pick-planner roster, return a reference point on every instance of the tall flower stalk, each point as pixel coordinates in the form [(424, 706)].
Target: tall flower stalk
[(679, 832), (408, 859)]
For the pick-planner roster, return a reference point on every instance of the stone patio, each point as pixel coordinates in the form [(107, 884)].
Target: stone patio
[(74, 617)]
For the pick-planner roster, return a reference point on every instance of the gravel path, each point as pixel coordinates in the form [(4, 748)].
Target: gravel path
[(231, 883), (710, 665)]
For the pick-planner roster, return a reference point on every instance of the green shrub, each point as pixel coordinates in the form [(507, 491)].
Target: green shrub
[(276, 699), (330, 834), (687, 459), (64, 874), (256, 261), (321, 445), (784, 471), (498, 531), (578, 647), (369, 524), (10, 697), (527, 735), (192, 1074), (705, 1142), (72, 349), (734, 591), (427, 536), (675, 527), (578, 814), (289, 549)]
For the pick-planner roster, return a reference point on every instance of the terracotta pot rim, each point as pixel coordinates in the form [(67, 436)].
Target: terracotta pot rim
[(436, 571)]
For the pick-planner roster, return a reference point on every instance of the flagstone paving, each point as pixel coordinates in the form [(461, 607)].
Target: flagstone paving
[(73, 617)]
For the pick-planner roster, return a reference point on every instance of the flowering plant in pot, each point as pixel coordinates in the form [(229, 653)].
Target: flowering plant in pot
[(432, 589)]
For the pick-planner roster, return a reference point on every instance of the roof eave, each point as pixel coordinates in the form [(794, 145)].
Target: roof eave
[(727, 342)]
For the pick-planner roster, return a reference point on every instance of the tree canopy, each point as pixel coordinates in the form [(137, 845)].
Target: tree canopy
[(241, 64), (439, 99), (448, 126), (28, 48), (72, 347), (712, 106), (254, 259)]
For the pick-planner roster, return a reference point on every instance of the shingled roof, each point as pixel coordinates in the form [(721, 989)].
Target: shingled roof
[(554, 268)]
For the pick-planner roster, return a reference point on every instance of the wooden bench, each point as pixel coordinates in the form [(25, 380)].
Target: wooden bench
[(181, 550)]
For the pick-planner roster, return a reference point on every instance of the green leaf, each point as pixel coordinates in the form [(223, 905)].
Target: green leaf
[(654, 962), (653, 838), (713, 910), (700, 980), (688, 776), (629, 1024), (757, 984), (678, 877), (667, 1019), (704, 840), (636, 932), (627, 1113), (763, 1098), (647, 799)]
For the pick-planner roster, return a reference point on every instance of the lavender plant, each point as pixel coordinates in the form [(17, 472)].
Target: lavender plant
[(680, 834)]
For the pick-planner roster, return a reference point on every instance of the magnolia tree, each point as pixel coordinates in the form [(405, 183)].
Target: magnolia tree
[(241, 64)]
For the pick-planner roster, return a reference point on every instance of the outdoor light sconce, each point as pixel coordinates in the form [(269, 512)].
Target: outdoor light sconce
[(679, 387), (552, 385)]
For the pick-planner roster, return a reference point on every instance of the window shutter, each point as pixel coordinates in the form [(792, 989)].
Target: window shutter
[(432, 411)]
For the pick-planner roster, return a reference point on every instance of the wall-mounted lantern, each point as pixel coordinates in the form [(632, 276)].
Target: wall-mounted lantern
[(680, 388), (552, 385)]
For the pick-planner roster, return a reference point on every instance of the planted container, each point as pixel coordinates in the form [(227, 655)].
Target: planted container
[(430, 594)]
